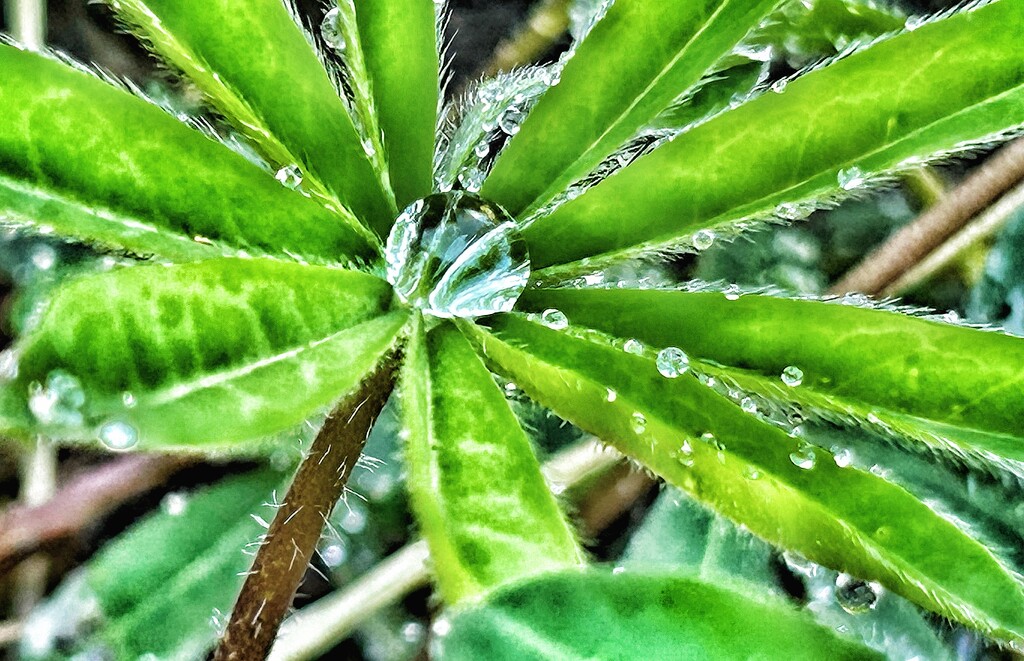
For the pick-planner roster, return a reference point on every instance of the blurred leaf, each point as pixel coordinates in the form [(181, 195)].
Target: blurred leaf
[(257, 67), (860, 118), (201, 354), (405, 89), (89, 162), (948, 386), (782, 488), (476, 486), (154, 589), (596, 615), (622, 76)]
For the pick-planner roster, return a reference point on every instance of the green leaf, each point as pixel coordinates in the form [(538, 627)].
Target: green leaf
[(782, 489), (476, 486), (89, 162), (204, 354), (257, 67), (573, 616), (405, 89), (154, 589), (859, 118), (716, 93), (633, 64), (949, 386)]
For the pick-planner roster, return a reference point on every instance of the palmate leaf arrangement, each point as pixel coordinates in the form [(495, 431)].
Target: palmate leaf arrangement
[(338, 238)]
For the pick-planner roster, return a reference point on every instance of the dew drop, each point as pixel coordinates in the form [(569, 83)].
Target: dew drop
[(672, 362), (413, 632), (455, 255), (174, 504), (59, 401), (732, 293), (554, 319), (441, 627), (335, 554), (850, 178), (779, 86), (43, 257), (751, 473), (330, 30), (118, 435), (290, 176), (611, 395), (792, 376), (804, 456), (854, 595), (639, 423), (511, 119), (703, 239), (633, 346), (354, 521), (748, 405), (128, 399), (843, 457), (482, 150)]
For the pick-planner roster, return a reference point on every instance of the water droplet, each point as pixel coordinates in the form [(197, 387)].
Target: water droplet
[(330, 30), (672, 362), (554, 319), (511, 119), (611, 396), (118, 435), (779, 86), (792, 376), (335, 554), (455, 255), (633, 346), (9, 365), (441, 627), (751, 473), (804, 456), (290, 176), (703, 239), (43, 257), (843, 457), (686, 454), (748, 405), (174, 504), (639, 423), (850, 178), (854, 595), (413, 632), (482, 149), (732, 293), (59, 401), (354, 521)]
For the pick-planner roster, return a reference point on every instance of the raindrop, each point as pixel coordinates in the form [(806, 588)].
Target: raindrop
[(703, 239), (843, 457), (633, 346), (854, 595), (455, 255), (748, 405), (672, 362), (511, 119), (752, 473), (59, 401), (174, 504), (290, 176), (850, 178), (792, 376), (554, 319), (686, 454), (118, 435), (732, 293), (128, 399), (611, 396), (334, 555), (639, 423), (354, 521), (412, 632), (330, 30), (482, 150), (43, 257), (779, 86), (804, 456), (441, 627)]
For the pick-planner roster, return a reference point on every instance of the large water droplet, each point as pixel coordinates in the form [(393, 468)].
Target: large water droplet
[(672, 362), (290, 176), (511, 119), (792, 376), (330, 30), (853, 595), (118, 435), (455, 255)]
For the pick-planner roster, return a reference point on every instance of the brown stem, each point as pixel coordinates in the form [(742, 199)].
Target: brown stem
[(911, 244), (281, 562), (612, 497), (84, 499)]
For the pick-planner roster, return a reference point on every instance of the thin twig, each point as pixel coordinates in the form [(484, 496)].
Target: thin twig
[(321, 625), (910, 245), (25, 529), (26, 20), (282, 560)]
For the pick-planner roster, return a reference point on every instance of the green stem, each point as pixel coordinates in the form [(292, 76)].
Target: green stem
[(320, 481)]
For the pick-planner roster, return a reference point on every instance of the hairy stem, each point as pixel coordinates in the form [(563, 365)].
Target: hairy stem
[(907, 247), (320, 481)]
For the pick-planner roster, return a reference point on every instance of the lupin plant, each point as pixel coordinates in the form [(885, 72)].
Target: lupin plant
[(336, 231)]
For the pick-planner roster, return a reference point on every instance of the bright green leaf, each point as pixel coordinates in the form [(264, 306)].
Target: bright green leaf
[(156, 588), (476, 486), (861, 117), (949, 386), (90, 162), (639, 58), (575, 616), (257, 67), (406, 89), (784, 490), (203, 354)]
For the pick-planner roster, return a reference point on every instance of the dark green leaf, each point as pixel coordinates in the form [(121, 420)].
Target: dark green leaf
[(632, 65), (859, 118), (259, 70), (84, 160), (784, 490), (635, 615), (202, 354), (476, 486)]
